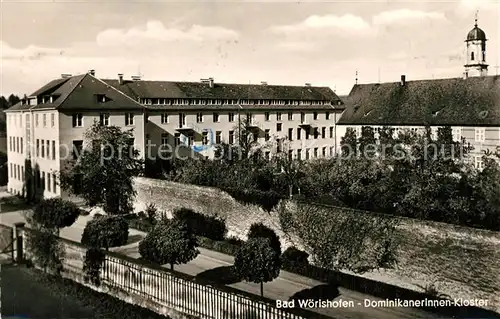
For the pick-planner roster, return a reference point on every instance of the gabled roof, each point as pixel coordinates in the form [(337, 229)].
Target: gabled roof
[(463, 102), (172, 89), (80, 93)]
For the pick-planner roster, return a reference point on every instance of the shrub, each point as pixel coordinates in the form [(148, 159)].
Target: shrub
[(169, 242), (268, 200), (294, 259), (105, 232), (259, 230), (55, 213), (258, 262), (45, 249), (141, 215), (92, 264), (151, 212), (235, 241), (212, 227)]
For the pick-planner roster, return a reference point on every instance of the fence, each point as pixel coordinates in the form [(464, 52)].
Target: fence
[(164, 290)]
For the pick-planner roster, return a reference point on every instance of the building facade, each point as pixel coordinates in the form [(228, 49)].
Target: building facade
[(470, 105), (168, 119)]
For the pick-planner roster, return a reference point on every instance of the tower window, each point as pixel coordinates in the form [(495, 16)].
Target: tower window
[(472, 56)]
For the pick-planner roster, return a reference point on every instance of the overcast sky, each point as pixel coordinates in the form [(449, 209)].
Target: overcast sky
[(280, 42)]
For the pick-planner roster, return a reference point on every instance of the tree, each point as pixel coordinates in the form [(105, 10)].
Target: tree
[(244, 135), (256, 261), (13, 100), (169, 242), (349, 143), (259, 230), (55, 213), (367, 142), (105, 232), (103, 174)]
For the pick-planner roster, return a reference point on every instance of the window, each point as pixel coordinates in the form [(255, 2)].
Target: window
[(49, 184), (129, 118), (315, 116), (457, 134), (323, 132), (37, 147), (316, 132), (216, 117), (299, 154), (478, 162), (104, 119), (182, 120), (53, 150), (44, 117), (268, 155), (307, 134), (199, 117), (77, 120), (47, 145), (177, 140), (331, 131), (22, 173), (302, 117), (42, 182), (307, 153), (54, 183), (164, 138), (77, 148), (231, 137), (218, 137), (52, 120), (164, 118), (315, 152), (290, 116), (327, 115), (290, 155), (278, 116), (10, 143), (190, 139), (231, 117), (278, 127), (266, 135), (290, 134), (255, 136), (266, 116), (42, 144), (36, 120), (204, 139), (323, 152), (298, 133), (480, 134), (472, 56), (17, 144)]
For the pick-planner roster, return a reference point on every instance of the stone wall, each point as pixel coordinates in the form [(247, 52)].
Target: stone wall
[(461, 262)]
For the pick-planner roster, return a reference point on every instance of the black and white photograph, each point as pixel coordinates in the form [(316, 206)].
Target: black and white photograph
[(249, 159)]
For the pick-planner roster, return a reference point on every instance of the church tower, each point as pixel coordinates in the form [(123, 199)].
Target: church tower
[(475, 64)]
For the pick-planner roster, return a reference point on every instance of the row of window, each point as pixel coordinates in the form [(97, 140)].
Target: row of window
[(162, 101), (307, 154), (103, 119), (16, 120), (16, 144), (43, 180), (43, 149), (479, 132)]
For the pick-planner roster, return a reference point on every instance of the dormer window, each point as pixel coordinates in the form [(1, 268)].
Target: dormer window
[(100, 98)]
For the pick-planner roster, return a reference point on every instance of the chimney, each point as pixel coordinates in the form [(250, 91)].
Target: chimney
[(92, 72), (65, 75), (120, 78), (136, 77), (211, 82), (308, 84), (263, 83), (403, 80)]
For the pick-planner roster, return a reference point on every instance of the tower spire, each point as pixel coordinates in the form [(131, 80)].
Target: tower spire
[(475, 20), (356, 76)]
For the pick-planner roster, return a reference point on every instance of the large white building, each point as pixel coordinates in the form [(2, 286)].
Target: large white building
[(44, 129), (469, 104)]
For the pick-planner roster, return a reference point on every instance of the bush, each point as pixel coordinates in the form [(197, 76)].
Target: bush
[(235, 241), (105, 232), (46, 250), (169, 242), (268, 200), (212, 227), (259, 230), (151, 212), (140, 224), (55, 213), (92, 264), (141, 215), (294, 259)]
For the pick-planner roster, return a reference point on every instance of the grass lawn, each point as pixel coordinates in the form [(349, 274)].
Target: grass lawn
[(30, 293)]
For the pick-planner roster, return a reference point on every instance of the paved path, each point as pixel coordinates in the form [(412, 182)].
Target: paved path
[(282, 288)]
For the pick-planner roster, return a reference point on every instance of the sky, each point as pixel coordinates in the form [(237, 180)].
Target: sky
[(281, 42)]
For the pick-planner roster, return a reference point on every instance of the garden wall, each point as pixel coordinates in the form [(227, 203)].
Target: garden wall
[(462, 262)]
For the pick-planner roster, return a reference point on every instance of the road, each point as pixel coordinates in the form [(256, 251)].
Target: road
[(282, 288)]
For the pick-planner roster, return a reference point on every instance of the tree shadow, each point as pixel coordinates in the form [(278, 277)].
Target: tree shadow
[(320, 292), (223, 275), (134, 239)]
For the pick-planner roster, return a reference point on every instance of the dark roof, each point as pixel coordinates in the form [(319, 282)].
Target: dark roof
[(172, 89), (474, 101), (476, 34), (80, 92)]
